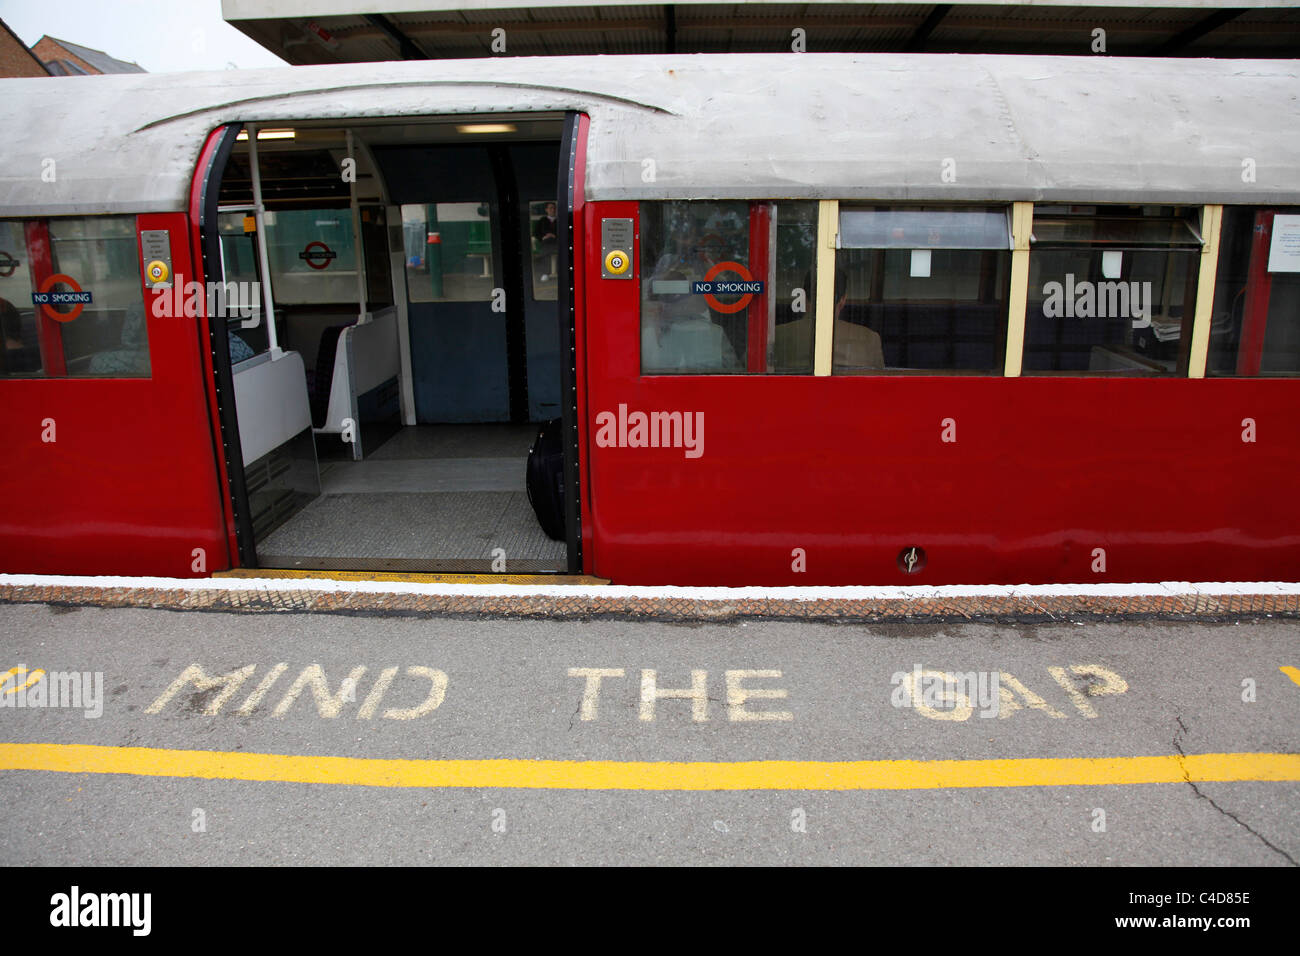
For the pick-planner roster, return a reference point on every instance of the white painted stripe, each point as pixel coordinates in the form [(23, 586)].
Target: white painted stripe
[(323, 585)]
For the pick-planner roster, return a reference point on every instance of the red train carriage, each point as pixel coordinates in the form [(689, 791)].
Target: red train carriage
[(805, 319)]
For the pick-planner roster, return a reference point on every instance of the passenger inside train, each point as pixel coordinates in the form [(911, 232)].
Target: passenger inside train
[(19, 353)]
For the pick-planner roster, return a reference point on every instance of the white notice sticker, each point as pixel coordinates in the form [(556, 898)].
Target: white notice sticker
[(1284, 252)]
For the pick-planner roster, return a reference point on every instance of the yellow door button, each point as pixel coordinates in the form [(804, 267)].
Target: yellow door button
[(617, 262), (157, 271)]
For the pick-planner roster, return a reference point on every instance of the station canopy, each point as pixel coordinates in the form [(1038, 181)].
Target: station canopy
[(352, 31)]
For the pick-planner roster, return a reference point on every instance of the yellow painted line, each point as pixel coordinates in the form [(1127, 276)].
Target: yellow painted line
[(616, 775), (412, 576), (1291, 672), (29, 678)]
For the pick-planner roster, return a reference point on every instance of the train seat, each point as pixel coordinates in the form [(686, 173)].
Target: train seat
[(320, 377)]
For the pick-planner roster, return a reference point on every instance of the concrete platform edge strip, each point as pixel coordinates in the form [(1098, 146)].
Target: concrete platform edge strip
[(1167, 599)]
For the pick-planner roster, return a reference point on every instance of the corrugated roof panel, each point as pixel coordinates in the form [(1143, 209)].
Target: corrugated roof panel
[(555, 29), (99, 59), (649, 12)]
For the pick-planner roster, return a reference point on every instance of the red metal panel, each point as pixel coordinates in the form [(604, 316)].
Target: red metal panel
[(611, 332), (50, 332), (129, 484), (1259, 285), (760, 221), (853, 470)]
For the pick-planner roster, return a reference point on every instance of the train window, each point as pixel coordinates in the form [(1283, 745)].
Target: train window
[(375, 253), (726, 287), (1256, 324), (448, 251), (543, 230), (239, 263), (794, 304), (921, 290), (20, 351), (1112, 290), (95, 323), (312, 254)]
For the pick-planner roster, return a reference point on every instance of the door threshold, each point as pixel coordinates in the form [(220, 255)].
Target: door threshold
[(442, 575)]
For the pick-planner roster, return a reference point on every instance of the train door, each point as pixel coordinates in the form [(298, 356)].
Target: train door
[(478, 228), (404, 348)]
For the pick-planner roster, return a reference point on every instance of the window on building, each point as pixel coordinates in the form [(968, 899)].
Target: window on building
[(1112, 289), (1256, 324), (72, 299), (726, 287), (921, 290)]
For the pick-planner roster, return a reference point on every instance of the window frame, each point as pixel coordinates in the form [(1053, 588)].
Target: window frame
[(955, 239), (762, 243), (40, 252), (1191, 244)]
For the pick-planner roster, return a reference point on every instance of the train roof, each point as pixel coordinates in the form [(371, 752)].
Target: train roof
[(845, 126)]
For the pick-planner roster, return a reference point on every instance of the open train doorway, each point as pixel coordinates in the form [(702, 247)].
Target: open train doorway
[(401, 344)]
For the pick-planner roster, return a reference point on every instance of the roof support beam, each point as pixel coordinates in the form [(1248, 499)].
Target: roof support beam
[(670, 28), (688, 21), (917, 40), (405, 45), (1196, 31)]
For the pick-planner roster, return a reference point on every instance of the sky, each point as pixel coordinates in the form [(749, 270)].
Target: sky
[(161, 35)]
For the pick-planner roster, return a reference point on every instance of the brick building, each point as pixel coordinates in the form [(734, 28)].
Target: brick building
[(15, 58), (71, 59)]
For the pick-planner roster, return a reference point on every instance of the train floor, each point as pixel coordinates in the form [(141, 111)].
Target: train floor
[(431, 498)]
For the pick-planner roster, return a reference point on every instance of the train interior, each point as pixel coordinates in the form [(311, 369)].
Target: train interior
[(396, 342)]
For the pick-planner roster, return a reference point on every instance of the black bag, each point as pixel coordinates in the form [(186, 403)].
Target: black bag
[(545, 481)]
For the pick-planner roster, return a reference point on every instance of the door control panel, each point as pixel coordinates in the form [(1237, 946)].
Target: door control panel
[(616, 242), (156, 251)]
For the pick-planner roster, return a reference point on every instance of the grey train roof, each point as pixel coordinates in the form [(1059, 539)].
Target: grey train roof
[(717, 126)]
